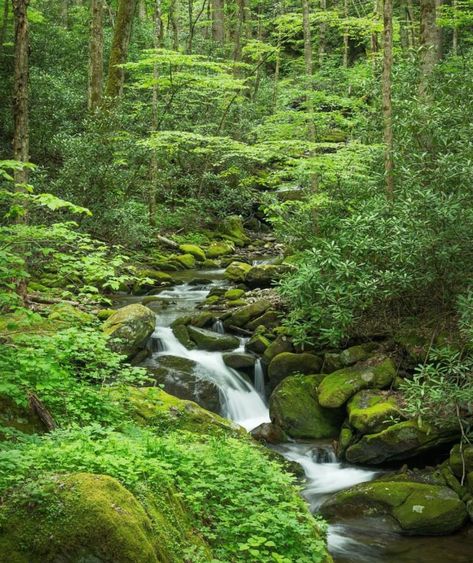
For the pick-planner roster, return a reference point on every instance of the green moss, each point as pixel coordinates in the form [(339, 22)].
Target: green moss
[(371, 411), (104, 314), (460, 463), (236, 271), (245, 314), (399, 441), (182, 334), (280, 345), (231, 228), (194, 251), (287, 363), (233, 294), (295, 408), (270, 320), (257, 344), (212, 341), (157, 276), (340, 385), (218, 249), (416, 508), (267, 275), (66, 313), (186, 260), (356, 354), (344, 440), (129, 328)]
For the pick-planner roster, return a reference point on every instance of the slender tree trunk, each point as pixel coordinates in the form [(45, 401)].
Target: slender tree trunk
[(174, 25), (346, 41), (96, 56), (455, 30), (239, 29), (429, 42), (4, 26), (377, 8), (404, 25), (322, 33), (21, 136), (142, 10), (387, 99), (119, 51), (277, 72), (440, 32), (218, 21), (412, 25)]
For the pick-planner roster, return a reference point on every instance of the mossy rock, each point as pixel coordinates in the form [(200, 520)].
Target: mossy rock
[(231, 228), (270, 320), (280, 345), (152, 407), (212, 341), (233, 294), (459, 463), (236, 271), (257, 344), (237, 303), (340, 385), (295, 408), (371, 411), (209, 264), (267, 275), (105, 314), (287, 363), (202, 320), (399, 441), (414, 508), (244, 315), (358, 353), (161, 277), (129, 329), (345, 438), (68, 314), (83, 517), (218, 249), (194, 251), (184, 379), (182, 334), (186, 260), (239, 360)]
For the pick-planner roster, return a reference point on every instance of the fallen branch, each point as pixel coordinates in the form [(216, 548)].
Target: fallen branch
[(240, 330), (45, 300), (41, 411), (168, 242)]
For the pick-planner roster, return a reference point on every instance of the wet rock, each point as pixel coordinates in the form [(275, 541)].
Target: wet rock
[(266, 275), (193, 250), (183, 379), (239, 360), (461, 463), (340, 385), (258, 343), (280, 345), (187, 261), (236, 271), (295, 408), (372, 411), (244, 315), (218, 249), (129, 329), (233, 294), (212, 341), (399, 441), (413, 508), (270, 320), (287, 363), (182, 334), (269, 433)]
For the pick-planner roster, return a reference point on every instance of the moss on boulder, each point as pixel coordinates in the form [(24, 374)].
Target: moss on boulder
[(218, 249), (287, 363), (269, 320), (280, 345), (193, 250), (242, 316), (231, 228), (236, 271), (239, 360), (340, 385), (129, 329), (399, 441), (182, 334), (187, 261), (233, 294), (258, 344), (414, 508), (68, 314), (370, 411), (295, 408), (266, 275), (212, 341)]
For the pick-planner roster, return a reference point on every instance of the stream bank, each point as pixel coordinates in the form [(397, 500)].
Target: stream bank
[(240, 401)]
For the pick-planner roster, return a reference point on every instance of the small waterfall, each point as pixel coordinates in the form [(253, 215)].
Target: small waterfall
[(259, 379), (218, 327)]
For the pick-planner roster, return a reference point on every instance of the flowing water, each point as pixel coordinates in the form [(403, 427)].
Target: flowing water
[(362, 541)]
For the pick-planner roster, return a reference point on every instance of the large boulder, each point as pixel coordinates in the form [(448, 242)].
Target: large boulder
[(295, 408), (350, 356), (218, 249), (257, 344), (212, 341), (287, 363), (410, 508), (129, 329), (266, 275), (280, 345), (399, 441), (184, 379), (231, 229), (236, 271), (193, 250), (239, 360), (269, 320), (242, 316), (371, 411), (84, 517), (339, 386)]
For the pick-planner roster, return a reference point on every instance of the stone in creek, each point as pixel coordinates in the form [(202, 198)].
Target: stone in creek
[(411, 508), (280, 345), (266, 276), (371, 411), (129, 329), (257, 344), (236, 271), (182, 378), (239, 360), (287, 363), (270, 320), (212, 341), (244, 315), (269, 433)]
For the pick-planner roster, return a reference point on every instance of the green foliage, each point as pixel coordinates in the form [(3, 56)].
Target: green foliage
[(242, 504)]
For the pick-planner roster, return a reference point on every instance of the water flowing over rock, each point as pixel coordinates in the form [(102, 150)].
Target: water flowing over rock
[(212, 341)]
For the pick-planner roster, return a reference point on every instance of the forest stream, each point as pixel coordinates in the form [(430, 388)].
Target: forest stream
[(245, 402)]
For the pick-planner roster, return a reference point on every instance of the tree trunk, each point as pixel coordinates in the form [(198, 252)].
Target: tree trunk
[(429, 42), (346, 42), (21, 137), (322, 33), (404, 25), (119, 51), (239, 29), (309, 67), (374, 36), (218, 21), (4, 27), (387, 99), (96, 56), (173, 23), (412, 25), (455, 30), (142, 10)]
